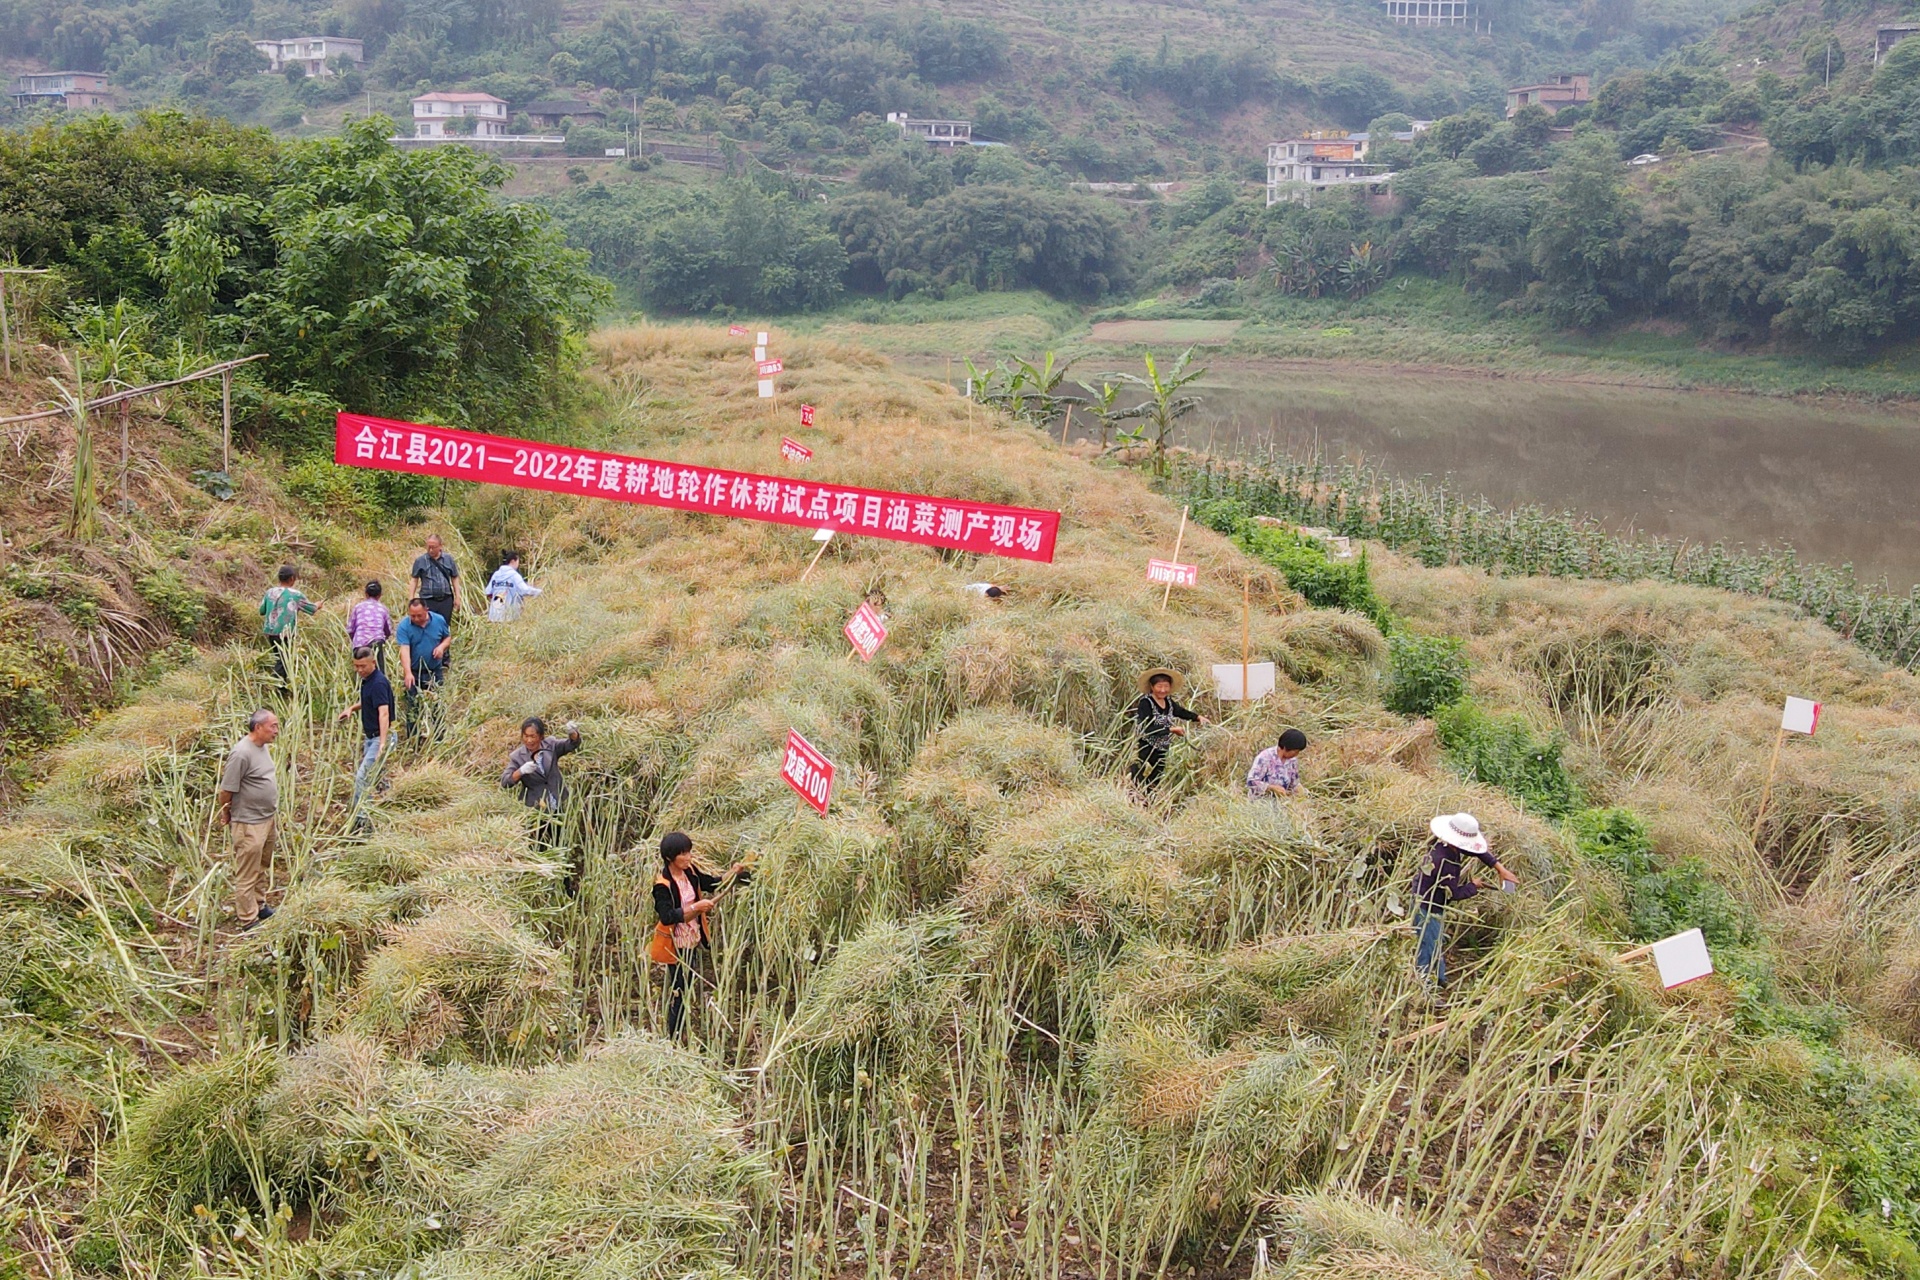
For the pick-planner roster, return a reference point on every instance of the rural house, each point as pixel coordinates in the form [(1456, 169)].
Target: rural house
[(938, 133), (434, 115), (1553, 93), (1298, 167), (310, 52), (1436, 13), (73, 90), (550, 113)]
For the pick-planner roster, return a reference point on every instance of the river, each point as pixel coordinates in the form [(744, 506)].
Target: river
[(1839, 484)]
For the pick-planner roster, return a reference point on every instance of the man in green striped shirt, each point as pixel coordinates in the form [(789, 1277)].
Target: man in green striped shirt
[(281, 608)]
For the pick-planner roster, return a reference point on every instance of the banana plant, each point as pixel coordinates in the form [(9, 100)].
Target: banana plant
[(1103, 403), (1040, 400), (1164, 406)]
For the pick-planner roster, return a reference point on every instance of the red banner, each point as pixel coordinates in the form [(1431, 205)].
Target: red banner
[(1019, 533), (808, 772), (865, 631)]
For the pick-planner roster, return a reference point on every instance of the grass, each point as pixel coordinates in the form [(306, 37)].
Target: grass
[(994, 1015)]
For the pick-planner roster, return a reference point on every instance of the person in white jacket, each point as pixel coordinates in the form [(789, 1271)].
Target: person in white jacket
[(508, 588)]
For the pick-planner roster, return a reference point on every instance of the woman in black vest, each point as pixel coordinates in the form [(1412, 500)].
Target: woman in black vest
[(683, 898), (1154, 716)]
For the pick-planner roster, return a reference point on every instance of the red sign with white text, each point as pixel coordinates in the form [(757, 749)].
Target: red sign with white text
[(806, 415), (808, 772), (1019, 533), (1163, 572), (793, 451), (736, 331), (770, 367), (865, 632)]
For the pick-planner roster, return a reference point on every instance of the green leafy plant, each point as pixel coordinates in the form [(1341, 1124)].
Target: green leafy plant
[(1309, 569), (1661, 900), (1502, 751), (1427, 673), (1164, 406)]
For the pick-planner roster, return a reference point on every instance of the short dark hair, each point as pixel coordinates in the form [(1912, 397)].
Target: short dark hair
[(1293, 740), (416, 601), (509, 556), (373, 588), (362, 652), (673, 844), (288, 573), (1159, 677), (994, 593), (534, 722)]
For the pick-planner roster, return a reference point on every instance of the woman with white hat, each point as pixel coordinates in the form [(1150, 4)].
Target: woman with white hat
[(1441, 879), (1154, 714)]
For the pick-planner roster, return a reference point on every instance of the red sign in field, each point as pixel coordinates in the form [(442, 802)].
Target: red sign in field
[(1172, 572), (770, 367), (736, 331), (793, 451), (806, 415), (866, 632), (808, 772), (1020, 533)]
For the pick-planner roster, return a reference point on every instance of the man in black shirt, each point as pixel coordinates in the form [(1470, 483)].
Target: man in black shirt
[(436, 580), (376, 723)]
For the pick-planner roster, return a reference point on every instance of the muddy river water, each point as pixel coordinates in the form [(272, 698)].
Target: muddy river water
[(1839, 484)]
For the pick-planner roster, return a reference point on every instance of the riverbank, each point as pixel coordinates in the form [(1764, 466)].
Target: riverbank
[(1425, 328)]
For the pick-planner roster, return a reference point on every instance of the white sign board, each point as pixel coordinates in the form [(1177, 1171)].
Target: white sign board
[(760, 353), (760, 338), (1801, 715), (615, 153), (766, 388), (1682, 958), (1226, 680), (823, 535)]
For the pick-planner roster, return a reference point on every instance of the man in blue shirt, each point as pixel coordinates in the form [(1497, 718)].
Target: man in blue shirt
[(376, 724), (424, 641)]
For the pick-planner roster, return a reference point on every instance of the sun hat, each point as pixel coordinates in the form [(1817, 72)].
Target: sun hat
[(1148, 676), (1461, 830)]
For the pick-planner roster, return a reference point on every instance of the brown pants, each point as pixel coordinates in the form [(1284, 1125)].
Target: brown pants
[(252, 855)]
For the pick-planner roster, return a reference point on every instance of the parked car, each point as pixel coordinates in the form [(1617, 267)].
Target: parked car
[(1645, 157)]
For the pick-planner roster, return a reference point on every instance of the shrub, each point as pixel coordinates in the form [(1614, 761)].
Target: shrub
[(1502, 751), (182, 607), (1661, 901), (1325, 582), (1429, 672)]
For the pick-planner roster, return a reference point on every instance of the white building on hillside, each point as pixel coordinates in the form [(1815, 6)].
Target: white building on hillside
[(434, 114), (311, 52)]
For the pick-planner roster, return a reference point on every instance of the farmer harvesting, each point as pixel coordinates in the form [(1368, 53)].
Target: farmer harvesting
[(423, 657), (534, 765), (682, 901), (281, 608), (436, 579), (506, 589), (375, 706), (1440, 879), (370, 624), (1154, 714), (1276, 771), (248, 800)]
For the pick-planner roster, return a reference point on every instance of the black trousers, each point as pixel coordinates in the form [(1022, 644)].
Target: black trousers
[(682, 974), (1151, 763), (281, 646)]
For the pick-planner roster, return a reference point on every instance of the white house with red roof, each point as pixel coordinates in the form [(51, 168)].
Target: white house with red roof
[(434, 113)]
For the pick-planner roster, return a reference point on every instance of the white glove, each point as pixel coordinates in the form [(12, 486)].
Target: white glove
[(531, 766)]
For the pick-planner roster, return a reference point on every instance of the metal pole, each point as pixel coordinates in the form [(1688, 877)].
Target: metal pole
[(226, 421)]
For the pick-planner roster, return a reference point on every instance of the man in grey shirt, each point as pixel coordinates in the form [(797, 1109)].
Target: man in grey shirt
[(436, 580), (249, 798)]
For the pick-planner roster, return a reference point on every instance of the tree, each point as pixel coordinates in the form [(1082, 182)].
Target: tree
[(231, 55), (1576, 239), (1164, 406), (400, 284)]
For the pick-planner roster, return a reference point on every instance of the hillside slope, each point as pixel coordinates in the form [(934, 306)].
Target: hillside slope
[(992, 1015)]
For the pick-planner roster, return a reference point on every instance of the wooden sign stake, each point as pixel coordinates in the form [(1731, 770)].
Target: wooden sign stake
[(1246, 637), (125, 506), (1766, 792), (226, 421), (6, 334), (816, 558), (1178, 541)]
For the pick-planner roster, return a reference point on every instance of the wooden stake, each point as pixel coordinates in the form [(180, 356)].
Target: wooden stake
[(1178, 541), (6, 333), (125, 506), (226, 423), (1246, 636), (816, 558), (1766, 792)]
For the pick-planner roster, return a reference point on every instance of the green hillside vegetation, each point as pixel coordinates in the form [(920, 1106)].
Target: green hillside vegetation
[(992, 1012)]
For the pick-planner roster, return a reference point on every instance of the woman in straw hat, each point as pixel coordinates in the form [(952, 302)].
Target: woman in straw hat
[(1154, 714), (1441, 879)]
